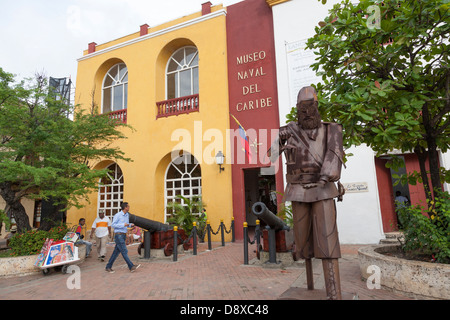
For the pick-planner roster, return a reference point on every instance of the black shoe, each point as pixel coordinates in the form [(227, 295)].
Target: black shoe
[(133, 268)]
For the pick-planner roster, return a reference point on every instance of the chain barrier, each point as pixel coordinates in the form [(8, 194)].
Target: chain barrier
[(193, 235), (217, 232), (178, 239), (256, 238)]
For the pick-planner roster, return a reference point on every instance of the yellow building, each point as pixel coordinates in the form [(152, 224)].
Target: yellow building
[(170, 84)]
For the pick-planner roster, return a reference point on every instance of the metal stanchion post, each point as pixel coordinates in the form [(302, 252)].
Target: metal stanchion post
[(222, 230), (175, 243), (147, 243), (232, 230), (245, 243), (208, 228), (272, 245), (194, 236), (258, 237)]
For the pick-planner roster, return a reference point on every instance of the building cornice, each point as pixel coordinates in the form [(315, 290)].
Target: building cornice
[(185, 24), (275, 2)]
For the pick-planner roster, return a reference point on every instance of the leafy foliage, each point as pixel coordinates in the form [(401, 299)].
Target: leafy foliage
[(31, 242), (4, 219), (184, 212), (386, 81), (427, 231), (286, 214), (45, 154)]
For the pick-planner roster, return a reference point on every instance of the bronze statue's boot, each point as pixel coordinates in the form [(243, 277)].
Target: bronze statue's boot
[(332, 280), (309, 274)]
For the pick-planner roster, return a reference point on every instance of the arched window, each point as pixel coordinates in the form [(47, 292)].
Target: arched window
[(183, 177), (110, 191), (182, 73), (115, 89)]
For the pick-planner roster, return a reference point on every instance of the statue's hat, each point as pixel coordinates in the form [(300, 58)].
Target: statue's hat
[(307, 93)]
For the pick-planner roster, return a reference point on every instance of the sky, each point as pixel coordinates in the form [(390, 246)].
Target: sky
[(48, 36)]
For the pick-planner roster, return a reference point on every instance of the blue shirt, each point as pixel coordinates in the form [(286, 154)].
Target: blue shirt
[(119, 221)]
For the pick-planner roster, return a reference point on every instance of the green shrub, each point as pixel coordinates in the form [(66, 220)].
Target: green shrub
[(31, 242), (183, 213), (286, 214), (4, 218), (427, 230)]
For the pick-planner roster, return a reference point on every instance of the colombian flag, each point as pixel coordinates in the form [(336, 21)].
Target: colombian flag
[(244, 140)]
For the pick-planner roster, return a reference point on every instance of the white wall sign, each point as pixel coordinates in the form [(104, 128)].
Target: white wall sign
[(300, 72), (353, 187)]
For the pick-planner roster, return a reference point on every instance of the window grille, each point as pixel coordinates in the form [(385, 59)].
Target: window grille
[(110, 191), (182, 73), (115, 89), (183, 177)]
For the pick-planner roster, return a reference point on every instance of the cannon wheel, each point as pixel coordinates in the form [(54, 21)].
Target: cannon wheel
[(294, 254), (258, 251), (186, 246), (140, 247), (168, 249)]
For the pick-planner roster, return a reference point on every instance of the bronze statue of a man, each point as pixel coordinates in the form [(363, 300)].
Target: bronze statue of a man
[(314, 155)]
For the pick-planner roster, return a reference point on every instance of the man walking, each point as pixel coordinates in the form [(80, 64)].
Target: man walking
[(102, 229), (120, 224)]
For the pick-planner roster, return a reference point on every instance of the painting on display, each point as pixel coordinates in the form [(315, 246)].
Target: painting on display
[(55, 253), (61, 252), (71, 236), (43, 254)]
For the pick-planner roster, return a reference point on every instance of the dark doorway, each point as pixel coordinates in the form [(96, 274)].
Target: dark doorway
[(387, 190), (398, 187), (261, 188)]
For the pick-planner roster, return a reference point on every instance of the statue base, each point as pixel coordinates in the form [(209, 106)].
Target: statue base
[(284, 259), (316, 294)]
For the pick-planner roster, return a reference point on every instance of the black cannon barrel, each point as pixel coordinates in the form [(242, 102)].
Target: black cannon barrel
[(260, 210), (148, 224)]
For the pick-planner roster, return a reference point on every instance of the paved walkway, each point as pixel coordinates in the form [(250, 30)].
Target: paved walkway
[(218, 274)]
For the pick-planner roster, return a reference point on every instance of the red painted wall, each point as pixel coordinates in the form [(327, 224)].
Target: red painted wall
[(253, 96), (386, 195), (416, 192)]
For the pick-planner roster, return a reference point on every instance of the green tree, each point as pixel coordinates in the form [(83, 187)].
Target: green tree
[(385, 77), (43, 153)]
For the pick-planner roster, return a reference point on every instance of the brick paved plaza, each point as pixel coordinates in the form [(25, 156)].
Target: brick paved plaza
[(218, 274)]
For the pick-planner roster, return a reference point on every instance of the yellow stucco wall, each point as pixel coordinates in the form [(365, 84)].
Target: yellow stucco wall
[(150, 144), (28, 204)]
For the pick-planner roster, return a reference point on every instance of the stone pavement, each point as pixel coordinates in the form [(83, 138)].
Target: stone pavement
[(218, 274)]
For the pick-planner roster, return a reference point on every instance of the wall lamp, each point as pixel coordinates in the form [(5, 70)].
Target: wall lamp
[(219, 160)]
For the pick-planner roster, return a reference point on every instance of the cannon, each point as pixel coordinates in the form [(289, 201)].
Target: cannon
[(148, 224), (283, 236), (161, 235), (260, 210)]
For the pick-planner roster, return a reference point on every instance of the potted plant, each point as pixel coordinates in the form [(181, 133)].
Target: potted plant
[(184, 212), (201, 225)]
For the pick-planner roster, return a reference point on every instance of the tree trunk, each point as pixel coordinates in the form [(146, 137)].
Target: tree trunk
[(14, 207), (422, 157), (434, 168), (430, 137)]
